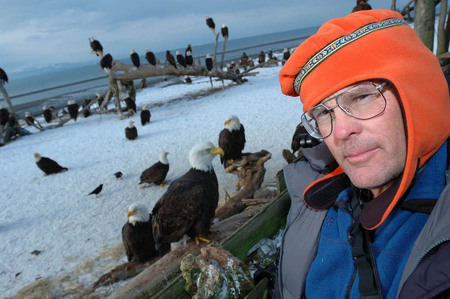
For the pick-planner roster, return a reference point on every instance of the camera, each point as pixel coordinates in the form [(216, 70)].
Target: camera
[(306, 140)]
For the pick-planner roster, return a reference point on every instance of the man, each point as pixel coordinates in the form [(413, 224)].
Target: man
[(378, 224)]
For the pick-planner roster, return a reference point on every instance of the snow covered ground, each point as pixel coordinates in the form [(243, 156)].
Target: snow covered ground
[(79, 236)]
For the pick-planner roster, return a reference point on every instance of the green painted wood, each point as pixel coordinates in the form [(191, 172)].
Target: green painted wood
[(260, 291)]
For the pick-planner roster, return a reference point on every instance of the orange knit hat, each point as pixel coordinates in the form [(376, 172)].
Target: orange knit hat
[(375, 44)]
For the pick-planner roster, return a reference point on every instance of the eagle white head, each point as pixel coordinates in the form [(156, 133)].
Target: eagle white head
[(163, 158), (130, 124), (44, 107), (177, 52), (91, 39), (147, 50), (137, 213), (145, 107), (37, 157), (71, 102), (202, 154), (232, 123), (188, 53), (132, 51), (26, 113), (224, 26)]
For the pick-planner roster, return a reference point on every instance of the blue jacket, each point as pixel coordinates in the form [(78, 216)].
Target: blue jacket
[(316, 255)]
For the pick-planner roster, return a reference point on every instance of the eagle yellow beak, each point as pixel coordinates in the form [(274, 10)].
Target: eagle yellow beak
[(217, 151), (130, 214), (226, 122)]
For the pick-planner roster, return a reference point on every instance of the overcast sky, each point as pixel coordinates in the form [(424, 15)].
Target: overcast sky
[(40, 33)]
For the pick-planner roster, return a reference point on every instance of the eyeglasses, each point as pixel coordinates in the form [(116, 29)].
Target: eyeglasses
[(362, 101)]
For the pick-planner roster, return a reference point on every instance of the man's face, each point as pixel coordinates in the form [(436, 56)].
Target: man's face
[(371, 152)]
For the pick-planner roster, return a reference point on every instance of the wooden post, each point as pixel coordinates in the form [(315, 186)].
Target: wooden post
[(223, 52), (215, 50)]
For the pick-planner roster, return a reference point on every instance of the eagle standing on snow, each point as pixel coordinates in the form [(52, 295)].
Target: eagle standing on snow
[(156, 173), (137, 236), (48, 165), (145, 115), (232, 139), (189, 204), (131, 131)]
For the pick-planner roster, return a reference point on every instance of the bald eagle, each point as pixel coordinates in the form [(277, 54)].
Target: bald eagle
[(209, 62), (189, 204), (73, 107), (156, 173), (232, 139), (131, 104), (210, 24), (189, 48), (96, 47), (48, 165), (131, 131), (135, 58), (262, 57), (29, 119), (189, 59), (106, 63), (137, 235), (4, 116), (286, 55), (48, 113), (180, 59), (3, 76), (188, 80), (150, 56), (145, 115), (84, 104), (170, 59), (224, 31)]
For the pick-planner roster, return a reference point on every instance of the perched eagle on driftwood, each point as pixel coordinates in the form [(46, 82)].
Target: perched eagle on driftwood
[(73, 107), (156, 173), (48, 165), (189, 204), (137, 235), (232, 139)]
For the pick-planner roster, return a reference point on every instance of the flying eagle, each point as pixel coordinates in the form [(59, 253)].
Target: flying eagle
[(150, 56), (170, 59), (224, 31), (232, 139), (96, 47), (137, 235), (106, 63), (189, 59), (131, 104), (73, 107), (156, 173), (131, 131), (3, 76), (145, 115), (189, 204), (209, 63), (210, 24), (135, 58), (180, 59), (48, 165)]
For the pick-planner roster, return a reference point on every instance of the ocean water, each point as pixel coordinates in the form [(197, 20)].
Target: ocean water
[(31, 93)]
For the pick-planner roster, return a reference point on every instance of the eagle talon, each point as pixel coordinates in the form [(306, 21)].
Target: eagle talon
[(198, 239)]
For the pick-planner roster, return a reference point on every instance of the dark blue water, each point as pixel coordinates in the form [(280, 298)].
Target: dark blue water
[(31, 93)]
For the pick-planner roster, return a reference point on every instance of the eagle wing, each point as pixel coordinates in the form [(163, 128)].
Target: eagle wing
[(225, 144), (155, 173), (187, 207)]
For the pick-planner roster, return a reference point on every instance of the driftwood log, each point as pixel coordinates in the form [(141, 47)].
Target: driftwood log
[(250, 171), (155, 274)]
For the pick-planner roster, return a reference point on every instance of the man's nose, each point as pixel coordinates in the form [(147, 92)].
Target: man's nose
[(344, 125)]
